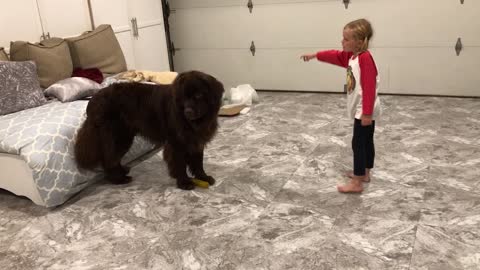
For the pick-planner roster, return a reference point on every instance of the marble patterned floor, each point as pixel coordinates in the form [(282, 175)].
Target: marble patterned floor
[(275, 204)]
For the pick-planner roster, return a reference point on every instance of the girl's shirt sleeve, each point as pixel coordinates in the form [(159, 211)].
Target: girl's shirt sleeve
[(368, 80), (335, 57)]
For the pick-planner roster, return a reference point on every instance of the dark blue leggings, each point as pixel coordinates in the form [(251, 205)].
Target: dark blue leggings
[(363, 147)]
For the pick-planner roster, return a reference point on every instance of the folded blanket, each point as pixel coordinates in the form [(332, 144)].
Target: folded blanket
[(93, 74), (165, 77)]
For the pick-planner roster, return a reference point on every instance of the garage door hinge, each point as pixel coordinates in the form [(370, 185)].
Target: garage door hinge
[(168, 11), (346, 2), (172, 48), (250, 5), (458, 46), (252, 48)]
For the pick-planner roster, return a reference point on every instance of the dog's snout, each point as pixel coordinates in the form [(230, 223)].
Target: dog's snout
[(189, 113)]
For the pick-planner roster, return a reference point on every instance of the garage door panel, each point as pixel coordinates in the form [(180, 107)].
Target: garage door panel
[(182, 4), (413, 43), (284, 70), (435, 71), (231, 67), (311, 24), (306, 24), (211, 28), (276, 2), (419, 23), (186, 4), (300, 25), (411, 23), (468, 26)]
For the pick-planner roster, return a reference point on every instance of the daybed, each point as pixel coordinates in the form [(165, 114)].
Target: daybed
[(37, 134)]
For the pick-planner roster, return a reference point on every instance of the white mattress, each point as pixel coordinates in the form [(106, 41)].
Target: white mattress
[(16, 177)]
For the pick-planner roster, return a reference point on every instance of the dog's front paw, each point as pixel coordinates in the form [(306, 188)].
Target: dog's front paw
[(125, 170), (209, 179), (185, 185), (120, 180)]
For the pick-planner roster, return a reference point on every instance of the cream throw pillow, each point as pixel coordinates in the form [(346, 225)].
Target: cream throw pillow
[(71, 89)]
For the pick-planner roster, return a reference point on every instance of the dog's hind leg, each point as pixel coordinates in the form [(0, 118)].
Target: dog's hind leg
[(115, 146), (177, 166), (195, 164)]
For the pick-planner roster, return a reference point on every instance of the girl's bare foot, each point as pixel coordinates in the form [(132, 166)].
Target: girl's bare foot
[(365, 178), (354, 186)]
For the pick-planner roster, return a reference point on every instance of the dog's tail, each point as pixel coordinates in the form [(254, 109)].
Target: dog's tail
[(87, 146)]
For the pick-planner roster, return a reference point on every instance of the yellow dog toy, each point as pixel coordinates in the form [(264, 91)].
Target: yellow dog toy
[(200, 183)]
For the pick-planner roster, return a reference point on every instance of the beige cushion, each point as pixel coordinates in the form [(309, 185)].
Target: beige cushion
[(3, 55), (98, 49), (52, 57)]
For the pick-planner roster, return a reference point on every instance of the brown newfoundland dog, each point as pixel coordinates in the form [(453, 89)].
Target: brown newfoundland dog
[(181, 117)]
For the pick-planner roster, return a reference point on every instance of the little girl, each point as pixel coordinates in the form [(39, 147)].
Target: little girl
[(362, 101)]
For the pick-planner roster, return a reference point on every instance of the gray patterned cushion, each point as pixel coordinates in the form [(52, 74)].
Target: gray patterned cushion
[(19, 87), (71, 89)]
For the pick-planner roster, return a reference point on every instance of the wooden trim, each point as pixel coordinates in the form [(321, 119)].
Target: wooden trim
[(90, 14)]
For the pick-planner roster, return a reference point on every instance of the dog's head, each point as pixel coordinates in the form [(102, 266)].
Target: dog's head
[(197, 95)]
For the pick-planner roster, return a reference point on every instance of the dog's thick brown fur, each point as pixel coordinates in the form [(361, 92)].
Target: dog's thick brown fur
[(181, 117)]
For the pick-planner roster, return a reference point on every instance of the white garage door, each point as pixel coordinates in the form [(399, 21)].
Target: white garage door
[(413, 45)]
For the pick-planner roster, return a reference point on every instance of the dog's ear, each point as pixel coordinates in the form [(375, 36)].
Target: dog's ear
[(178, 87), (217, 89), (214, 86), (187, 79), (179, 81)]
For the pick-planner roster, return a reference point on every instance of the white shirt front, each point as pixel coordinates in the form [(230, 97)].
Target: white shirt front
[(355, 91)]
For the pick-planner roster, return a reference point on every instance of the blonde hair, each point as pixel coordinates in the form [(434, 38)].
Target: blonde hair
[(362, 30)]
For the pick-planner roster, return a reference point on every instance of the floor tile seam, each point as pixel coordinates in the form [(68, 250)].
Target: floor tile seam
[(293, 173), (281, 188), (332, 230), (367, 254), (449, 165), (239, 237), (337, 217), (290, 175), (413, 247), (435, 227), (7, 248), (235, 128), (418, 222)]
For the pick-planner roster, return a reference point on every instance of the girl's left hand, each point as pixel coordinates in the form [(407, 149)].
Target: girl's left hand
[(366, 120), (308, 57)]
